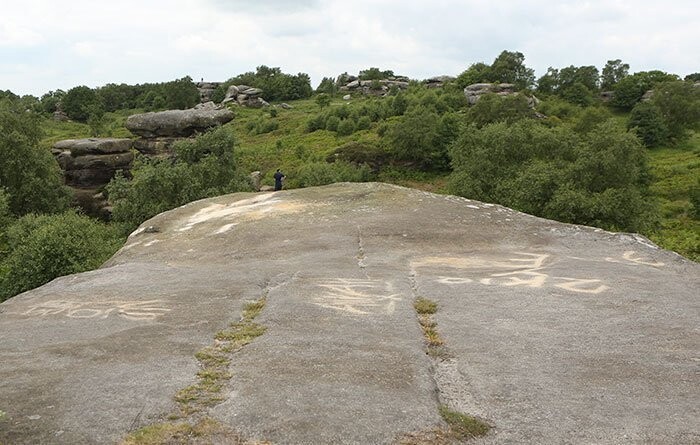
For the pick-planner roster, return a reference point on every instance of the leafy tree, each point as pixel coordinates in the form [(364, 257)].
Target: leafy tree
[(204, 167), (322, 173), (399, 105), (28, 173), (578, 94), (695, 77), (8, 95), (119, 97), (181, 94), (80, 102), (509, 67), (549, 83), (598, 178), (51, 101), (375, 74), (364, 123), (422, 137), (589, 118), (494, 108), (574, 84), (323, 100), (648, 123), (43, 247), (360, 153), (346, 127), (630, 89), (275, 84), (327, 86), (613, 72), (332, 123), (679, 105), (585, 75), (476, 73)]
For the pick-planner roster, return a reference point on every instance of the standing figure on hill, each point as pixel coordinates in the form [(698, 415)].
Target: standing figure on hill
[(279, 176)]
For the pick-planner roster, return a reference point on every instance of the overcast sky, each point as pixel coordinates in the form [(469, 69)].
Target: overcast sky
[(59, 44)]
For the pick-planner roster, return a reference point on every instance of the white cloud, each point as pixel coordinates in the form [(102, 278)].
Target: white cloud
[(133, 41)]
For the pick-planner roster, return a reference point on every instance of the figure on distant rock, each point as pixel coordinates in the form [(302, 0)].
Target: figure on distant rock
[(279, 176)]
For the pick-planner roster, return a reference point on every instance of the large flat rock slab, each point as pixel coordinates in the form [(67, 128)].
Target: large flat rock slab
[(554, 333)]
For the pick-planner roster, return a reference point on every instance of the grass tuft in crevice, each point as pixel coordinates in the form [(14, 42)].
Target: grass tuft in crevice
[(463, 426), (188, 425)]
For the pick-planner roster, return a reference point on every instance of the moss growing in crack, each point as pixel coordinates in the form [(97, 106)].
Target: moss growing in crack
[(462, 426), (215, 359), (241, 334), (252, 310), (205, 431), (426, 309), (423, 306)]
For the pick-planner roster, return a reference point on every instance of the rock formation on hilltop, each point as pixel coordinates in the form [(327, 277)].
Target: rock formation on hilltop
[(89, 164), (474, 92), (304, 316), (245, 96), (158, 131), (353, 84)]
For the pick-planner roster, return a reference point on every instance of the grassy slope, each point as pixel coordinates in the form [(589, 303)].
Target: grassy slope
[(675, 171), (290, 146)]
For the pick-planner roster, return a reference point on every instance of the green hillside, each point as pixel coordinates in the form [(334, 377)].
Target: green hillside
[(553, 147)]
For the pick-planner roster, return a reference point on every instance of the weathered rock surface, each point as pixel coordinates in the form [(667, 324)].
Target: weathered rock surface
[(178, 123), (438, 81), (206, 90), (555, 333), (474, 92), (373, 87), (246, 96), (89, 164)]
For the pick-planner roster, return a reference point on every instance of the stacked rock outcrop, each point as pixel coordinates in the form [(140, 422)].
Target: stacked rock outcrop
[(438, 81), (89, 164), (474, 92), (246, 96), (206, 90), (158, 131), (373, 87)]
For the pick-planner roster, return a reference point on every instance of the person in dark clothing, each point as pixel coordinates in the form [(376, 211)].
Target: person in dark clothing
[(279, 176)]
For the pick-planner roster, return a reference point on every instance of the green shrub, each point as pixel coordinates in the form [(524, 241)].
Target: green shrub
[(599, 178), (332, 123), (346, 127), (679, 105), (44, 247), (648, 123), (421, 137), (323, 100), (360, 153), (80, 102), (590, 118), (364, 123), (28, 172), (262, 125), (695, 201), (203, 168), (555, 107), (322, 173), (494, 108), (317, 122)]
